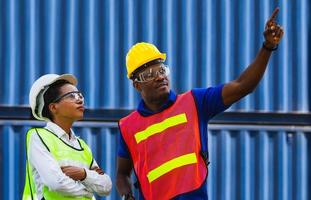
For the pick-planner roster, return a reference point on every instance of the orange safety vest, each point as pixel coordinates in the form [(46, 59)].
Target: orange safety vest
[(165, 149)]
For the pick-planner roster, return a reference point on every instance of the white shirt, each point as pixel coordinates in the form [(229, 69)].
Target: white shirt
[(46, 170)]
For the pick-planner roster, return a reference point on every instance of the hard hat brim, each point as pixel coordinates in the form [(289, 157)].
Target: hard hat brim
[(68, 77), (161, 56)]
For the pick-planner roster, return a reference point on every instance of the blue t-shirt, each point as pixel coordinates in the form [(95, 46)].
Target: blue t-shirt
[(209, 103)]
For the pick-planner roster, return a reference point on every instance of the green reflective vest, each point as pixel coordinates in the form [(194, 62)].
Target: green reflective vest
[(63, 153)]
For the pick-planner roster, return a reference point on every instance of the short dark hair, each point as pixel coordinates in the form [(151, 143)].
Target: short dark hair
[(50, 95)]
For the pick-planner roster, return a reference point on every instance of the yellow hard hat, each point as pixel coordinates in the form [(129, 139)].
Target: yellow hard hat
[(140, 54)]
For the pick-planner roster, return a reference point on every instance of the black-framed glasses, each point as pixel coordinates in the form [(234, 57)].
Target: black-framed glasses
[(72, 96), (150, 74)]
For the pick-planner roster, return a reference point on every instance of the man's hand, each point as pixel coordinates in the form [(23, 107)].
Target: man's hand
[(76, 173), (273, 32)]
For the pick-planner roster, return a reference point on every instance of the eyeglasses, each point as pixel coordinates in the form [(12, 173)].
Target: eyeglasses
[(151, 73), (72, 96)]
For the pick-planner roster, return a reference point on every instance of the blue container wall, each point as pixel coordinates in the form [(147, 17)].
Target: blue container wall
[(207, 43), (247, 162)]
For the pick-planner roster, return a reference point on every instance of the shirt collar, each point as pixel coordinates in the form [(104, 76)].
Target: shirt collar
[(57, 130), (144, 111)]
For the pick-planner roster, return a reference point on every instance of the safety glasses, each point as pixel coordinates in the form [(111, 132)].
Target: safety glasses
[(71, 96), (150, 74)]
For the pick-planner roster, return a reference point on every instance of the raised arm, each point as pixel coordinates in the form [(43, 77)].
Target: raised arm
[(249, 79)]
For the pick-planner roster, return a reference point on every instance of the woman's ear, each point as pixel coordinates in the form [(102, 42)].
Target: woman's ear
[(53, 108)]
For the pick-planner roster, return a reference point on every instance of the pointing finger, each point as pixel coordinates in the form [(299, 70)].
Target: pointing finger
[(275, 12)]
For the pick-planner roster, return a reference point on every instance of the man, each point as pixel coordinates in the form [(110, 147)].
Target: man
[(165, 139)]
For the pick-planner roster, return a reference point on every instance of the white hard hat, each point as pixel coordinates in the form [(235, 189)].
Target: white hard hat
[(40, 86)]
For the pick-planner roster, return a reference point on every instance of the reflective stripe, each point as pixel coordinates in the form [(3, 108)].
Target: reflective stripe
[(168, 166), (159, 127)]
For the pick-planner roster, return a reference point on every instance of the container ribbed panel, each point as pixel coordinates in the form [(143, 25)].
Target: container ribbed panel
[(207, 43)]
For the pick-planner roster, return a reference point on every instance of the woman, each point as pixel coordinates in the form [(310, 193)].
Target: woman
[(59, 164)]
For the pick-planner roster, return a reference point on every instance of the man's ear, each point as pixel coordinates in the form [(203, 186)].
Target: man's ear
[(137, 86)]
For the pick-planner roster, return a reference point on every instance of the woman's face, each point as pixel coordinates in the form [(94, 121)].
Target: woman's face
[(69, 105)]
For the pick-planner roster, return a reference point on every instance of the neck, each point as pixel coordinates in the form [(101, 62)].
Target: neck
[(155, 105), (65, 125)]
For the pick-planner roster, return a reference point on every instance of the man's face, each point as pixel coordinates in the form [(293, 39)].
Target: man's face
[(153, 82)]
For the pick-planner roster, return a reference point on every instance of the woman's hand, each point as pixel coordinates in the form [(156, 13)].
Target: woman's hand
[(76, 173), (98, 170)]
